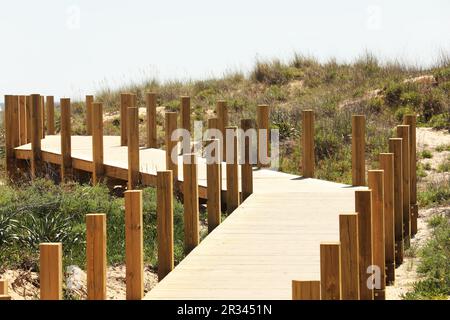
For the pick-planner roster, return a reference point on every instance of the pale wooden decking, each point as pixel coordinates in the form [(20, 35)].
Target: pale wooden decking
[(115, 159), (271, 239)]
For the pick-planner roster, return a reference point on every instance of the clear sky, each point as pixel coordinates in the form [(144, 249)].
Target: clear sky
[(72, 48)]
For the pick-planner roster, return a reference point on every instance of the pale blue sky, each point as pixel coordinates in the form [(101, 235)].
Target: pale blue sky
[(71, 48)]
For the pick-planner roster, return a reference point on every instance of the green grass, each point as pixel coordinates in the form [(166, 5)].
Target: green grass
[(434, 266), (42, 211), (444, 166), (443, 147), (426, 154), (434, 193)]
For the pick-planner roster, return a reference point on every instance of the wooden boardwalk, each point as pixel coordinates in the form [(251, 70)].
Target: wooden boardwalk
[(272, 238), (293, 237), (115, 159)]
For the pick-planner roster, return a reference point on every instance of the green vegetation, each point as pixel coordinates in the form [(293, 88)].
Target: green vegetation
[(434, 193), (444, 166), (434, 266), (426, 154), (443, 147), (42, 211)]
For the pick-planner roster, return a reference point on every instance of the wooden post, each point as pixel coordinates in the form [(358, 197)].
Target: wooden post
[(222, 116), (50, 108), (4, 287), (190, 197), (262, 117), (403, 132), (363, 200), (164, 216), (28, 116), (348, 235), (186, 121), (89, 102), (126, 101), (330, 271), (134, 245), (358, 150), (410, 119), (395, 147), (50, 271), (97, 142), (133, 147), (247, 166), (232, 195), (376, 184), (213, 185), (308, 144), (66, 136), (36, 130), (96, 256), (42, 108), (213, 123), (150, 100), (171, 146), (11, 124), (22, 120), (305, 290), (387, 165)]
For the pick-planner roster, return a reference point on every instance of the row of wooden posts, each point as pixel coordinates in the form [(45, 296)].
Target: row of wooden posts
[(33, 129), (372, 240), (390, 202)]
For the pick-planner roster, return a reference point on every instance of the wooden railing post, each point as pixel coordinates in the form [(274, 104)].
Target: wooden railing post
[(190, 197), (403, 132), (96, 256), (164, 216), (376, 184), (89, 102), (222, 116), (22, 120), (305, 290), (410, 119), (66, 136), (28, 116), (36, 131), (387, 165), (213, 123), (97, 142), (50, 108), (134, 245), (4, 287), (358, 150), (11, 124), (247, 166), (186, 121), (232, 195), (363, 200), (348, 235), (213, 184), (133, 147), (126, 101), (50, 271), (150, 99), (395, 147), (262, 118), (42, 108), (330, 271), (308, 158), (4, 292), (171, 145)]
